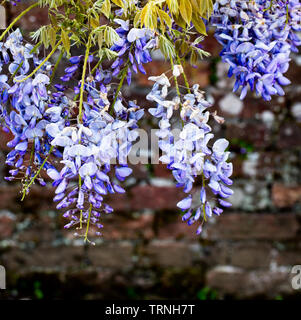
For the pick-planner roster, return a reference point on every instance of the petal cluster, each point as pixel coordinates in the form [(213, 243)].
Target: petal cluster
[(257, 38), (94, 150), (132, 48), (23, 106), (187, 152)]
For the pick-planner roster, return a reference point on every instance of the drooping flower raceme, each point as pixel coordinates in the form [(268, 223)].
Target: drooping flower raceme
[(187, 153), (258, 38), (95, 152), (23, 106)]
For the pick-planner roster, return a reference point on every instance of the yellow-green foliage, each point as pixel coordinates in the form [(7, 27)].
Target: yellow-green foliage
[(183, 12), (73, 21)]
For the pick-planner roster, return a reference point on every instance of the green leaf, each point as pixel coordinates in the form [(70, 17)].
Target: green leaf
[(206, 8), (173, 6), (66, 41), (180, 21), (165, 18), (166, 47), (149, 16), (137, 19), (100, 39), (52, 37), (110, 36), (199, 25), (177, 33), (53, 20), (106, 8), (110, 55), (193, 58), (184, 48), (118, 3), (202, 53), (94, 21), (186, 10), (45, 37)]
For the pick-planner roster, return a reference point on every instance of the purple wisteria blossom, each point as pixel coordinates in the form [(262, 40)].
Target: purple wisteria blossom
[(258, 38), (95, 151), (132, 48), (23, 106), (186, 150)]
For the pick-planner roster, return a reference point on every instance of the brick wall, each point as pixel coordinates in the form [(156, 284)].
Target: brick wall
[(146, 251)]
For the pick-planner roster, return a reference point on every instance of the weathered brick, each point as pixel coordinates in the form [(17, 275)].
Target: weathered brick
[(293, 72), (116, 254), (242, 284), (242, 254), (283, 165), (160, 170), (5, 137), (172, 254), (248, 196), (254, 107), (289, 135), (41, 230), (139, 172), (9, 195), (147, 197), (285, 196), (228, 105), (254, 133), (39, 199), (234, 226), (287, 253), (198, 75), (122, 227), (42, 258), (177, 230), (34, 19), (7, 224)]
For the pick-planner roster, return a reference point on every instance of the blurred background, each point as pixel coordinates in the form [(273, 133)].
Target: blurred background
[(146, 252)]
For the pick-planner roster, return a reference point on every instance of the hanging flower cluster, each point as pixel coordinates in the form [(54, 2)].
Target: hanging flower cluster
[(79, 129), (103, 134), (89, 149), (258, 38), (187, 152), (23, 106)]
